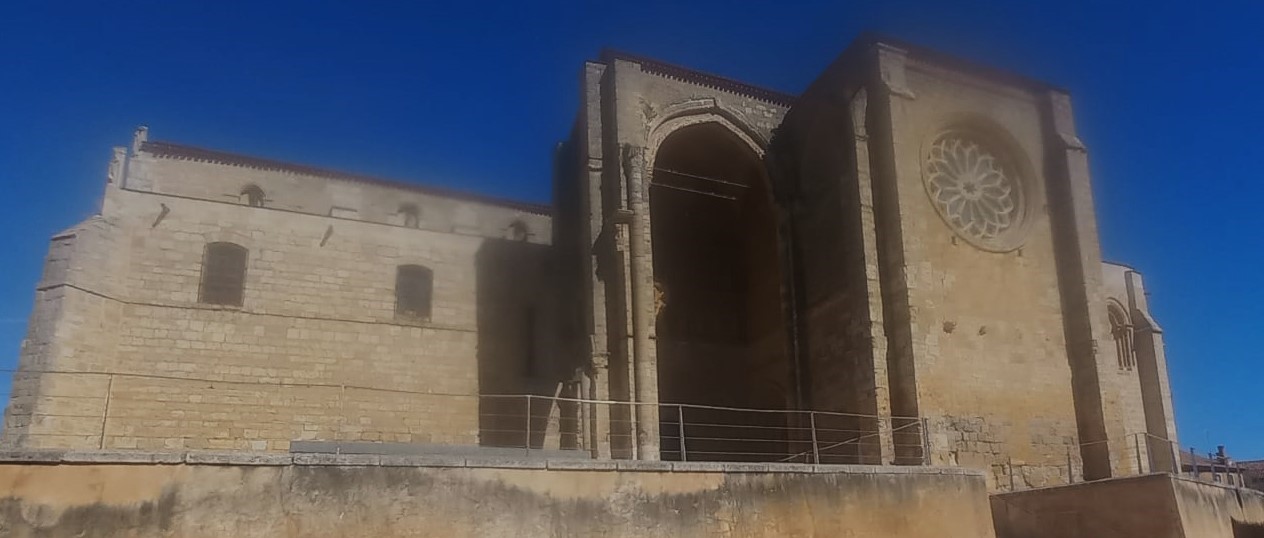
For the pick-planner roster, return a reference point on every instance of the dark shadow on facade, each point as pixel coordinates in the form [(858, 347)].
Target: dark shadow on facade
[(518, 351)]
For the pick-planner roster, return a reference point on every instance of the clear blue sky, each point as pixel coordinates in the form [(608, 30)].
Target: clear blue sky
[(474, 96)]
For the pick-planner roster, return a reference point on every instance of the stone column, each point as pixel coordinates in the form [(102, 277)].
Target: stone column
[(644, 351), (594, 291)]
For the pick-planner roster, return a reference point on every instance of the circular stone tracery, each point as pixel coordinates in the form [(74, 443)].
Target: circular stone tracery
[(975, 190)]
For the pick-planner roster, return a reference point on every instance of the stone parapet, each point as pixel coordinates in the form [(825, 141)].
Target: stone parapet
[(124, 457)]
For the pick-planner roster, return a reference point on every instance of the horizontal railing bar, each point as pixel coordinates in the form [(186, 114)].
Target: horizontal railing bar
[(745, 440)]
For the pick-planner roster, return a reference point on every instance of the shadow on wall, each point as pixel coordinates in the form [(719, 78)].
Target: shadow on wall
[(1247, 530), (518, 349)]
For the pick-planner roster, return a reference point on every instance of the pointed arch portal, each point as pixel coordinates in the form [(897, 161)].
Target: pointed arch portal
[(719, 319)]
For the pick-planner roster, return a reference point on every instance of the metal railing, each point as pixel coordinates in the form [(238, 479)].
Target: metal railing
[(695, 432), (1144, 453), (182, 411), (159, 411)]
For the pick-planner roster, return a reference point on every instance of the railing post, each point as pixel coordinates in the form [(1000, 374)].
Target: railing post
[(1009, 463), (527, 432), (1070, 467), (1193, 462), (1136, 438), (680, 417), (105, 414), (816, 454), (925, 441), (342, 418)]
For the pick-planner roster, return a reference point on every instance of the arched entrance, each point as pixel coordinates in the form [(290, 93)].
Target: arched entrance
[(721, 331)]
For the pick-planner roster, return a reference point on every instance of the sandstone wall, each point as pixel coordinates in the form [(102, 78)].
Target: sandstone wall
[(821, 158), (985, 350), (1150, 506), (1145, 391), (221, 177), (1125, 376), (314, 352), (356, 496), (1215, 511)]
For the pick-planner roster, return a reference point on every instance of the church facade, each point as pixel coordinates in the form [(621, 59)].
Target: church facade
[(909, 248)]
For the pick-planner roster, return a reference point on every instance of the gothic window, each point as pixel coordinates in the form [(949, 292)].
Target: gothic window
[(223, 274), (1121, 332), (411, 216), (413, 287), (518, 231), (253, 195)]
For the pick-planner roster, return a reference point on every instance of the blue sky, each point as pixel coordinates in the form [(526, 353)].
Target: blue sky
[(475, 96)]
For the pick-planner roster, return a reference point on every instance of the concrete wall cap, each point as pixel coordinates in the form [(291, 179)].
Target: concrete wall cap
[(120, 456), (54, 457), (237, 458)]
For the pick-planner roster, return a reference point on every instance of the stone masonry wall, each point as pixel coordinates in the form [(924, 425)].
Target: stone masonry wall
[(991, 365), (69, 323), (1126, 380), (315, 351), (820, 151)]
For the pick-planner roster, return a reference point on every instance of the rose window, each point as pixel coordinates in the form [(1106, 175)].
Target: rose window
[(973, 188)]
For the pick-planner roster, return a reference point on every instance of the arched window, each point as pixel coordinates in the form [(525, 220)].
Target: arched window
[(1121, 332), (223, 274), (413, 287), (518, 231), (252, 195), (411, 215)]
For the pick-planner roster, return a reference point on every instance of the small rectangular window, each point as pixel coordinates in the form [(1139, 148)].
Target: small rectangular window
[(223, 274), (413, 287)]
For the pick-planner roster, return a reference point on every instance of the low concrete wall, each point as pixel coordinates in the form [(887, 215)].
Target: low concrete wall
[(1217, 511), (1149, 506), (318, 495)]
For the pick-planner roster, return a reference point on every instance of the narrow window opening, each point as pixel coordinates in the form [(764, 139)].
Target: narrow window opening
[(223, 274), (413, 288), (518, 231), (411, 216), (252, 195)]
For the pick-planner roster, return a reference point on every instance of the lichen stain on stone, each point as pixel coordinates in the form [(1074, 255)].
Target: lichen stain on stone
[(320, 501), (149, 518)]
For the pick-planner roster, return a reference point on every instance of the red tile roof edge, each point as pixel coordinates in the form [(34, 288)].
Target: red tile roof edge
[(172, 150)]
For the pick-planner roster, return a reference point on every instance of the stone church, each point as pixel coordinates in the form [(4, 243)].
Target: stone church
[(909, 248)]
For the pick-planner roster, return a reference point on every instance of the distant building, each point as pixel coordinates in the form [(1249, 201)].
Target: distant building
[(910, 244), (1218, 467), (1253, 473)]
